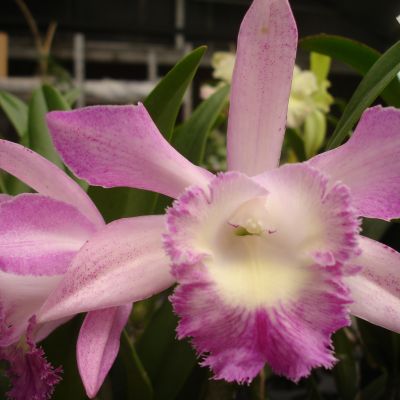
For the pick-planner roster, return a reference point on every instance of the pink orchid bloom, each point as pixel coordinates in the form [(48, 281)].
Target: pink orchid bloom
[(40, 234), (267, 259)]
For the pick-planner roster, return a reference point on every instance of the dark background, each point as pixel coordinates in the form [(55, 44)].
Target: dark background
[(370, 21)]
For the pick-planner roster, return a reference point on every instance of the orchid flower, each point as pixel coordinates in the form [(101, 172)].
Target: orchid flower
[(40, 233), (268, 260)]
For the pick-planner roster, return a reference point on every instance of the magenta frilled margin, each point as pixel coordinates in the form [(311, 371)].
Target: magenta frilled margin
[(268, 260)]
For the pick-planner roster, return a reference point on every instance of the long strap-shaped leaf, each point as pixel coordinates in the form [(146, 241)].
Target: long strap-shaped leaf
[(164, 102), (377, 78), (16, 111), (354, 54)]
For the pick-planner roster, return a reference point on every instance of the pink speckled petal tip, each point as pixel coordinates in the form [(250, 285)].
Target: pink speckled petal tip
[(261, 83), (121, 146), (98, 345), (369, 164)]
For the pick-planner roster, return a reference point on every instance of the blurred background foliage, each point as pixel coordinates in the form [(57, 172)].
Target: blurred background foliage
[(151, 363)]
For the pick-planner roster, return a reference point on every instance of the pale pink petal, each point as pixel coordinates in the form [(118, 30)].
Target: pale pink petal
[(46, 178), (98, 345), (43, 330), (376, 289), (39, 235), (261, 84), (121, 146), (120, 264), (20, 297), (369, 163)]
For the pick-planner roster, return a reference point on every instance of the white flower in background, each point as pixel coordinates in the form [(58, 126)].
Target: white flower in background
[(301, 104), (222, 63)]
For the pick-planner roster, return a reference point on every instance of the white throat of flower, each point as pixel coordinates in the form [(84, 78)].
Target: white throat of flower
[(254, 264), (252, 217)]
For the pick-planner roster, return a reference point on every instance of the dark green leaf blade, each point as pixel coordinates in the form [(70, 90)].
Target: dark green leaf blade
[(345, 372), (128, 378), (16, 111), (356, 55), (39, 136), (190, 137), (377, 78), (60, 348), (54, 99), (164, 102), (296, 143), (169, 362)]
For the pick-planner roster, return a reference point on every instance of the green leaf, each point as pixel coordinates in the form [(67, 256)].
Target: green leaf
[(16, 112), (54, 99), (168, 362), (375, 228), (60, 349), (296, 143), (376, 79), (164, 102), (39, 137), (72, 95), (376, 389), (356, 55), (346, 370), (190, 137), (128, 378)]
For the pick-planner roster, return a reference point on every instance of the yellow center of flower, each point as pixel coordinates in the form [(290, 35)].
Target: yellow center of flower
[(255, 264)]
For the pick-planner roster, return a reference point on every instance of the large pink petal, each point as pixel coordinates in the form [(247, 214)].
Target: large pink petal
[(261, 84), (98, 345), (369, 163), (122, 263), (40, 235), (121, 146), (46, 178), (376, 289)]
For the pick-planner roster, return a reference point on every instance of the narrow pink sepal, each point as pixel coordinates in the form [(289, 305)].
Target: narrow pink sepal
[(98, 345), (376, 289), (369, 164), (121, 146), (120, 264), (261, 85), (20, 297), (46, 178)]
